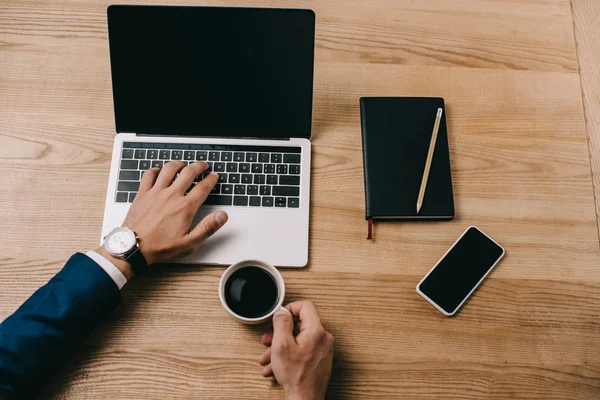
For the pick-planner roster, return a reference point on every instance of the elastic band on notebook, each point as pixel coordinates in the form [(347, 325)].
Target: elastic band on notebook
[(370, 233)]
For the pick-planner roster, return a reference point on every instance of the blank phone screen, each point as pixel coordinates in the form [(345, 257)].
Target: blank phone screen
[(461, 270)]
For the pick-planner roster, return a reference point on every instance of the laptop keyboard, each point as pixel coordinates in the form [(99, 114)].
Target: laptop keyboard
[(249, 176)]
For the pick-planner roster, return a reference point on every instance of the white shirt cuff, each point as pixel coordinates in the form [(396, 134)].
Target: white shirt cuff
[(109, 267)]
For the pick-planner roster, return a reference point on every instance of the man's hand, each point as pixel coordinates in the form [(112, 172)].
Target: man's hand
[(161, 214), (301, 364)]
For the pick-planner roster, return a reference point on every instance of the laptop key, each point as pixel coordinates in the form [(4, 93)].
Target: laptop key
[(293, 202), (126, 175), (152, 154), (239, 189), (294, 169), (127, 153), (227, 189), (247, 178), (272, 179), (219, 167), (213, 156), (244, 167), (191, 187), (132, 196), (276, 158), (259, 179), (289, 180), (226, 156), (257, 168), (263, 157), (267, 202), (282, 169), (201, 156), (252, 189), (234, 178), (280, 202), (286, 191), (188, 155), (238, 157), (121, 197), (265, 190), (144, 164), (176, 155), (126, 186), (222, 178), (164, 154), (157, 164), (129, 164), (140, 154), (218, 200), (232, 167), (291, 158), (240, 201), (269, 168), (251, 157), (210, 166), (216, 189), (255, 201)]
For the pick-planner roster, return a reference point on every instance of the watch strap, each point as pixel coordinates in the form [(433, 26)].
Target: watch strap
[(137, 260)]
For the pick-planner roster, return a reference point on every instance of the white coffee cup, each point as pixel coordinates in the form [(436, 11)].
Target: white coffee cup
[(271, 270)]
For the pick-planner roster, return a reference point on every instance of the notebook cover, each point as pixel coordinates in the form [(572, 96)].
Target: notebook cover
[(396, 133)]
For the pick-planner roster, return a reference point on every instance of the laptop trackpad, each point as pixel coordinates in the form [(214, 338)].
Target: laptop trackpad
[(231, 242)]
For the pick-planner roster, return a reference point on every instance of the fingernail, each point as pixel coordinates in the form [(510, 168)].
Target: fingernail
[(221, 218), (282, 311)]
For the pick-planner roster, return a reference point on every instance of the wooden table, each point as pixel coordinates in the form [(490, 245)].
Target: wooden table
[(515, 75)]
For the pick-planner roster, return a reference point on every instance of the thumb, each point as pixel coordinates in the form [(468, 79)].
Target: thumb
[(283, 327), (208, 227)]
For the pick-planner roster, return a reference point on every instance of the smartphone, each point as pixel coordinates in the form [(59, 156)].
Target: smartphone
[(460, 271)]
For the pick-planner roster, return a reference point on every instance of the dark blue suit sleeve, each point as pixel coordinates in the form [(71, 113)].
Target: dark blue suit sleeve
[(41, 335)]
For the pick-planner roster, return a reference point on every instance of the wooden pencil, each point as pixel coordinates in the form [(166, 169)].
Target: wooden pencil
[(434, 134)]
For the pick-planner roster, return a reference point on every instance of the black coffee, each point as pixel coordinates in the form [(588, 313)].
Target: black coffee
[(251, 292)]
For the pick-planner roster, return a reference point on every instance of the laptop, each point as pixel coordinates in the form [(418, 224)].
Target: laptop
[(229, 86)]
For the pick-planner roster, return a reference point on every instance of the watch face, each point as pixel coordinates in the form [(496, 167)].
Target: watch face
[(120, 242)]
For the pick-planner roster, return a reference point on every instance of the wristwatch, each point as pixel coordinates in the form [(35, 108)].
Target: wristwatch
[(122, 242)]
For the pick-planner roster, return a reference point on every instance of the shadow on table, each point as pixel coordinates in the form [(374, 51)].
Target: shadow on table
[(341, 375)]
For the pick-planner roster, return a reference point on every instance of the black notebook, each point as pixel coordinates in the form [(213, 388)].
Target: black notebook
[(396, 133)]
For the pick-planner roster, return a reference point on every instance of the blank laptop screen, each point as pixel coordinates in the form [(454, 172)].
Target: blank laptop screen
[(212, 71)]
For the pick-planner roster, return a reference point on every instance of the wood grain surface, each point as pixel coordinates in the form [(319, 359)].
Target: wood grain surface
[(586, 20), (509, 72)]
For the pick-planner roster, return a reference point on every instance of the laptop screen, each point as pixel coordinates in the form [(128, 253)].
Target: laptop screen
[(212, 71)]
